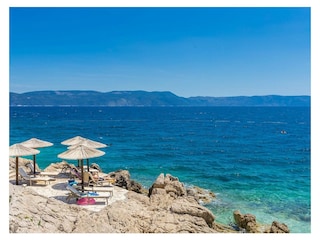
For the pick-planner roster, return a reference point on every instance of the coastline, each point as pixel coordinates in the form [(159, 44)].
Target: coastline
[(167, 207)]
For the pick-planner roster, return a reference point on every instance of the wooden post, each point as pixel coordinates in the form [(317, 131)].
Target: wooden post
[(17, 165), (34, 164), (82, 187)]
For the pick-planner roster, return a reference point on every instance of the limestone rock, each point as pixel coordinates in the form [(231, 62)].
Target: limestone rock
[(248, 222), (277, 227), (169, 193), (202, 196), (245, 221), (171, 184), (57, 167), (159, 183), (31, 212), (174, 187), (169, 209), (122, 179), (190, 207)]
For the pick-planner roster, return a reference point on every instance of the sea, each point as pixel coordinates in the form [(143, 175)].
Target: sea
[(255, 159)]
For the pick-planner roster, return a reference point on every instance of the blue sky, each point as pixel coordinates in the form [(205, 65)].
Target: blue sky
[(225, 52), (205, 51)]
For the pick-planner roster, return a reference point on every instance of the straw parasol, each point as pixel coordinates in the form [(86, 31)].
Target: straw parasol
[(88, 143), (36, 143), (79, 153), (17, 150), (78, 140), (73, 141)]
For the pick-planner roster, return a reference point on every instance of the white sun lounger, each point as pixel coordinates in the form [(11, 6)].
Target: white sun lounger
[(31, 166), (32, 179), (74, 193)]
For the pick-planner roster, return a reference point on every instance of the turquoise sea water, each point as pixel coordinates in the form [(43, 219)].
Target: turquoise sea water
[(256, 160)]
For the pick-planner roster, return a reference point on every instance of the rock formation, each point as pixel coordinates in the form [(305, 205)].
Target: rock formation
[(277, 227), (31, 212), (167, 207), (247, 223), (122, 179)]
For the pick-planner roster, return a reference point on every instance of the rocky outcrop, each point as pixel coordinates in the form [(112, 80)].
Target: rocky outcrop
[(63, 167), (202, 196), (189, 206), (168, 192), (167, 207), (277, 227), (122, 179), (30, 212), (33, 213), (247, 223), (170, 185), (138, 213)]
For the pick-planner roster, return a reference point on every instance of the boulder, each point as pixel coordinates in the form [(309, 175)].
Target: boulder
[(249, 224), (58, 167), (167, 192), (202, 196), (277, 227), (189, 206), (138, 215), (122, 179), (245, 221), (159, 183), (170, 184)]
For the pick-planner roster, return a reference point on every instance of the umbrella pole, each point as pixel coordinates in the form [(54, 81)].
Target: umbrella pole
[(34, 164), (17, 165), (88, 164), (82, 175)]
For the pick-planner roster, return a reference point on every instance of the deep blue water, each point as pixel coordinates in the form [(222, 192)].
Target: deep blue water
[(239, 153)]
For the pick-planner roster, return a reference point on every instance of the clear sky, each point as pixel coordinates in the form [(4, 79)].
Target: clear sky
[(191, 52), (206, 51)]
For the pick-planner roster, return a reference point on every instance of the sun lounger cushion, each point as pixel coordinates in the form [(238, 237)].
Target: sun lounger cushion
[(93, 194)]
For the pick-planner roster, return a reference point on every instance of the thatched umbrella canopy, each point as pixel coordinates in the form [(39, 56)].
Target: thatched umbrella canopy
[(79, 153), (88, 143), (36, 143), (78, 140), (73, 141), (18, 150)]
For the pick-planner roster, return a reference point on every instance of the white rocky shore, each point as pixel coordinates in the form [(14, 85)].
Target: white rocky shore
[(167, 207)]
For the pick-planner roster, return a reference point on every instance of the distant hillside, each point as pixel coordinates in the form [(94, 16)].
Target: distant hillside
[(269, 100), (143, 98)]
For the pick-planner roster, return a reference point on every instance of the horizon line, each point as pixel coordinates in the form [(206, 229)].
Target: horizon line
[(298, 95)]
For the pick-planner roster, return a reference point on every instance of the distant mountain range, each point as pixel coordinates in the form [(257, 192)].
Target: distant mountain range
[(146, 99)]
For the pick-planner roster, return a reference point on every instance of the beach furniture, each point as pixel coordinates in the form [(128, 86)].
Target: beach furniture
[(32, 179), (74, 193), (90, 180), (98, 189), (75, 173), (31, 166), (67, 168)]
